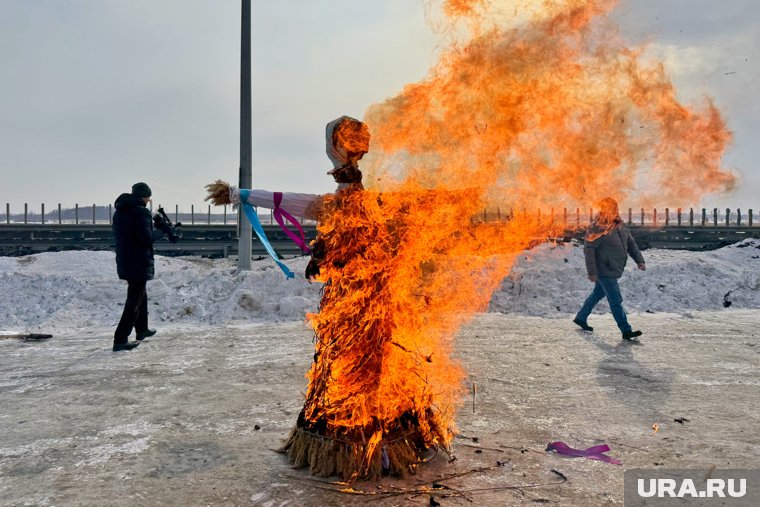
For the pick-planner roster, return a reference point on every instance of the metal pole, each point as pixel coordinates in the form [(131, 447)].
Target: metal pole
[(246, 172), (93, 213), (7, 212), (59, 213), (43, 213), (26, 212)]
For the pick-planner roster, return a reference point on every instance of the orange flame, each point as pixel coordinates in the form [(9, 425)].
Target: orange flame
[(556, 112)]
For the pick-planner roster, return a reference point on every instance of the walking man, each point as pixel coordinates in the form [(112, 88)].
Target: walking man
[(133, 232), (606, 248)]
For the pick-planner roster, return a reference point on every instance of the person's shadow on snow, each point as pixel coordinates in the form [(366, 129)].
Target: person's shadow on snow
[(643, 390)]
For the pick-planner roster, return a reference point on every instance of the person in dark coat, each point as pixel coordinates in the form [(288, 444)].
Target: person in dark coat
[(606, 248), (133, 232)]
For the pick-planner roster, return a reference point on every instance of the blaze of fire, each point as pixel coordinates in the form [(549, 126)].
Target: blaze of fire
[(553, 113)]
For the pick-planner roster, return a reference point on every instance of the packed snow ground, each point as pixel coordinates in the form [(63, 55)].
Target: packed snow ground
[(74, 291)]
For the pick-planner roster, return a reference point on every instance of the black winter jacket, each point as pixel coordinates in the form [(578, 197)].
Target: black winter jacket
[(133, 232), (606, 255)]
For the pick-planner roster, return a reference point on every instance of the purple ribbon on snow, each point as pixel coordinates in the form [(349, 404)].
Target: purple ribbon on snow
[(595, 452), (279, 213)]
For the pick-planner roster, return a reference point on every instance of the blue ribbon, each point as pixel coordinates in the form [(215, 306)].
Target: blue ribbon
[(253, 217)]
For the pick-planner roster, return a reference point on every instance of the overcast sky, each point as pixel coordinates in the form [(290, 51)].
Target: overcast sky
[(98, 94)]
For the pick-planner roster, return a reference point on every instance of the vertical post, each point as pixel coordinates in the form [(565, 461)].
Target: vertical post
[(26, 212), (679, 217), (691, 217), (728, 214), (738, 217), (642, 216), (43, 213), (654, 217), (578, 217), (590, 215), (630, 216), (750, 217), (715, 217), (192, 214), (110, 214), (245, 246), (93, 213), (224, 217), (667, 217), (7, 212), (176, 213), (209, 214), (704, 217), (59, 213), (76, 213)]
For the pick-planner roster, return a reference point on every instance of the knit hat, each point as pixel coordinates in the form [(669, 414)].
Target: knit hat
[(141, 190)]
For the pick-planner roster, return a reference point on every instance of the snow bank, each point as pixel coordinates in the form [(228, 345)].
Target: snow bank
[(71, 292)]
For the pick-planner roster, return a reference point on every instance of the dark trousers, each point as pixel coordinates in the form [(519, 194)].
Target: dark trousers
[(135, 314), (606, 287)]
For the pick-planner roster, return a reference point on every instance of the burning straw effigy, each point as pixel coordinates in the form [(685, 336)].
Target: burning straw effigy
[(382, 389)]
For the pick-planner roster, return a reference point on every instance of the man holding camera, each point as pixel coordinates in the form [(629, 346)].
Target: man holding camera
[(133, 232)]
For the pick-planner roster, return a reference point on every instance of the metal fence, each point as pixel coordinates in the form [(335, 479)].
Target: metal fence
[(96, 214), (652, 217)]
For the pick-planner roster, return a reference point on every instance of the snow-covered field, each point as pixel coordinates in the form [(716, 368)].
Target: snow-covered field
[(76, 291)]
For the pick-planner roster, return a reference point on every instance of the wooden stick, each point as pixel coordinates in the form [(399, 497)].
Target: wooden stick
[(26, 336)]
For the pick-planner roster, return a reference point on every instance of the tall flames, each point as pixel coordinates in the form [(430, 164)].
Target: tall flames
[(555, 112)]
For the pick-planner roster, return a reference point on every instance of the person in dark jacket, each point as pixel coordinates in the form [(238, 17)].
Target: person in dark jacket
[(133, 232), (606, 248)]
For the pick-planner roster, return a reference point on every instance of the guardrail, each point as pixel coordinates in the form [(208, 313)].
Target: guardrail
[(655, 217), (96, 214), (652, 229)]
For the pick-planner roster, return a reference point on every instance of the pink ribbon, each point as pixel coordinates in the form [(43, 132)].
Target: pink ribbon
[(279, 213), (595, 452)]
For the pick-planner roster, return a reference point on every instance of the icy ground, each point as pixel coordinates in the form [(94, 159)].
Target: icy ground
[(191, 417)]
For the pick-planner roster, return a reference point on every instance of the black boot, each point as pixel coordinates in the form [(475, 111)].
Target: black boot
[(631, 335), (118, 347), (584, 325), (145, 334)]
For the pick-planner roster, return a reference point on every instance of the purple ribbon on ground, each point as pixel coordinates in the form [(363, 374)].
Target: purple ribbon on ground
[(279, 213), (595, 452)]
